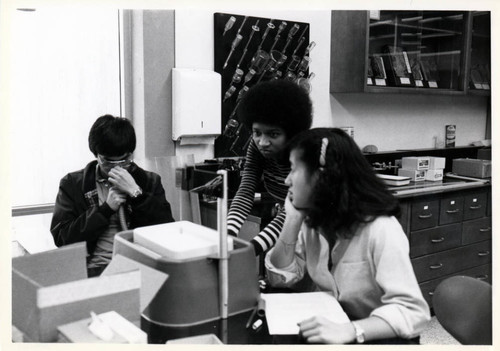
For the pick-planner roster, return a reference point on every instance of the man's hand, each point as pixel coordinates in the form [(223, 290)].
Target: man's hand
[(115, 198), (122, 180), (324, 331)]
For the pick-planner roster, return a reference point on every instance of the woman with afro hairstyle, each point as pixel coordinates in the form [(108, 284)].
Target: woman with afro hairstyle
[(275, 111), (341, 229)]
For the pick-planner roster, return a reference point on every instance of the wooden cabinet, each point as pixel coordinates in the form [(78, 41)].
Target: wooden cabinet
[(423, 52), (449, 234)]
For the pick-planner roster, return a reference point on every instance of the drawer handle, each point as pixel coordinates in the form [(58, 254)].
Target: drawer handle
[(431, 293), (485, 229), (436, 241), (482, 277), (436, 266), (425, 216), (475, 207), (484, 253), (453, 211)]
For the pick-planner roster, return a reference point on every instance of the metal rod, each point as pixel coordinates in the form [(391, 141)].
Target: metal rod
[(32, 210), (223, 250), (255, 28)]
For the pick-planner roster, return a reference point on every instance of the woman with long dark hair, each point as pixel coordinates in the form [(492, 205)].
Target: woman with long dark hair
[(341, 229)]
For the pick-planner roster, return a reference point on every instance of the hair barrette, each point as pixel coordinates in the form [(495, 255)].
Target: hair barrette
[(322, 153)]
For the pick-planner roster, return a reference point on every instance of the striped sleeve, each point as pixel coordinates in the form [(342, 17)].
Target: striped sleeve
[(269, 235), (243, 201)]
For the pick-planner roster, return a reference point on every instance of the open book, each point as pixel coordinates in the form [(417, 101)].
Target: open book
[(284, 311)]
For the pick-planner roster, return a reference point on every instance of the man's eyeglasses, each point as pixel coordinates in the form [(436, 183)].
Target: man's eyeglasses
[(124, 163)]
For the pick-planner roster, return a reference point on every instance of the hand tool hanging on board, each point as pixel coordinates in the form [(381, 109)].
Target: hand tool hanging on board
[(255, 28), (229, 24), (235, 42)]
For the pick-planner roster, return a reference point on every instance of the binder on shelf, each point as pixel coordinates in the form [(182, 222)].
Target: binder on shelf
[(398, 67), (485, 74), (379, 73), (416, 71), (369, 75), (476, 80), (429, 71)]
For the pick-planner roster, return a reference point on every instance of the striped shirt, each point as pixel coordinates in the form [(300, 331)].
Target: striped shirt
[(258, 167)]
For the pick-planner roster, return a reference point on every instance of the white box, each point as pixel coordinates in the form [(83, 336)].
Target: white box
[(413, 174), (437, 163), (434, 175), (51, 288), (416, 162), (180, 240)]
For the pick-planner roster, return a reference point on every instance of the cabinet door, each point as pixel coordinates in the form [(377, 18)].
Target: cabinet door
[(476, 230), (475, 205), (480, 53), (424, 214), (435, 239), (403, 219), (451, 209)]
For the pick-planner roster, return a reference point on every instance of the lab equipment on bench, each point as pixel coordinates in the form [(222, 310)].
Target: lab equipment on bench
[(201, 286)]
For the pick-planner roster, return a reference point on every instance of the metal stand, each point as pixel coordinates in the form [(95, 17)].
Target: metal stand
[(223, 251)]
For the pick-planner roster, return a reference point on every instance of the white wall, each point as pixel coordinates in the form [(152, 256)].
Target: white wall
[(388, 121), (393, 122)]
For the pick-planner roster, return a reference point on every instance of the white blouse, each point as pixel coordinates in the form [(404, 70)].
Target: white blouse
[(373, 278)]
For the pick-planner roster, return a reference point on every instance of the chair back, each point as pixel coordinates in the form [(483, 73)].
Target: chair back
[(463, 306)]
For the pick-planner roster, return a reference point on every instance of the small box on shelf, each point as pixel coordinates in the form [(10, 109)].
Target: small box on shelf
[(434, 175), (416, 162), (414, 174)]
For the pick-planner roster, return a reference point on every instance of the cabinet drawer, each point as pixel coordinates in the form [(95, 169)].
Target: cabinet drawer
[(451, 261), (481, 272), (451, 209), (476, 230), (424, 214), (475, 205), (436, 239)]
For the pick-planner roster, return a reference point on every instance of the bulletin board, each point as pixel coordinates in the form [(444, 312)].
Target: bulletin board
[(248, 50)]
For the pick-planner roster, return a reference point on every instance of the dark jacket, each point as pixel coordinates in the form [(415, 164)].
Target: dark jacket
[(78, 216)]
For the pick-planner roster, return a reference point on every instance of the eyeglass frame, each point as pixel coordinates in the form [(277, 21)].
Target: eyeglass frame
[(126, 162)]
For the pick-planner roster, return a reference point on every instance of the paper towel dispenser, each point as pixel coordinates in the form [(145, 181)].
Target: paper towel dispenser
[(196, 103)]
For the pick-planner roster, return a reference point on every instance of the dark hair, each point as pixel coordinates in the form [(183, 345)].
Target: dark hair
[(348, 192), (278, 103), (112, 136)]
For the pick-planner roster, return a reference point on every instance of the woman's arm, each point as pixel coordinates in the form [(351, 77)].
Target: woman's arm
[(284, 250), (324, 331), (244, 198)]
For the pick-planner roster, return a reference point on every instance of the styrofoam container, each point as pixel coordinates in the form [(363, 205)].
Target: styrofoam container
[(434, 175), (413, 174), (416, 162), (180, 240), (437, 162)]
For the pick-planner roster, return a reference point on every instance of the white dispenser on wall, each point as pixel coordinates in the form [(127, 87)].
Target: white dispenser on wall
[(196, 105)]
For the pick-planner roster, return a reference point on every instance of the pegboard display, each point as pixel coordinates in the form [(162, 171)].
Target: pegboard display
[(249, 50)]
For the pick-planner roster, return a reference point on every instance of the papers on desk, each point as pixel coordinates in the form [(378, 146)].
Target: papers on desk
[(284, 311)]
